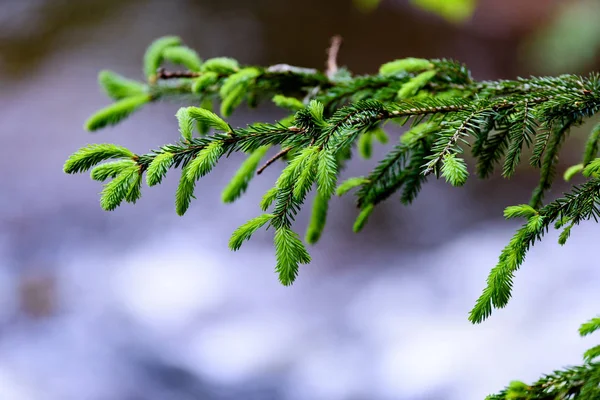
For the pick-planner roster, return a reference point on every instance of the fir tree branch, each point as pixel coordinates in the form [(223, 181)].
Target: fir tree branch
[(446, 108)]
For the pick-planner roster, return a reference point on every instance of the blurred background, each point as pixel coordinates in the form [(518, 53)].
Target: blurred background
[(140, 304)]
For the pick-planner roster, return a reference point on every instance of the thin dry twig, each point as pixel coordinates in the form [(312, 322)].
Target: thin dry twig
[(332, 54), (273, 159), (162, 73)]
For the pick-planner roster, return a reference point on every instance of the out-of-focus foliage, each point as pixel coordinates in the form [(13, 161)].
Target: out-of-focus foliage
[(570, 41), (366, 5), (451, 10)]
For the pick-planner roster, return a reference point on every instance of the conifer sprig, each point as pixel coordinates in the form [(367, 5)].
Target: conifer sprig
[(447, 112), (580, 382)]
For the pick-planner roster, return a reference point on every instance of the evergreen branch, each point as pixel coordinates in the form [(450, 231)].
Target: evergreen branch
[(445, 144), (548, 171), (90, 155), (334, 111), (154, 55), (522, 130), (590, 326), (118, 87), (580, 382), (581, 204), (116, 112), (591, 146), (245, 231)]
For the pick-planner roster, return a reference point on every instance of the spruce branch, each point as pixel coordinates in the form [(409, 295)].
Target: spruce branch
[(331, 115), (580, 382), (583, 203)]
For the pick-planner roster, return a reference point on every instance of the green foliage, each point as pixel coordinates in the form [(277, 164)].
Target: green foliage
[(316, 109), (366, 5), (158, 168), (184, 56), (291, 173), (380, 135), (220, 65), (592, 168), (365, 141), (268, 198), (235, 88), (350, 184), (90, 155), (522, 130), (118, 87), (184, 193), (572, 171), (405, 65), (454, 170), (318, 218), (125, 186), (362, 218), (208, 117), (327, 170), (289, 103), (564, 235), (155, 54), (246, 231), (568, 40), (520, 211), (201, 125), (290, 252), (110, 169), (239, 78), (446, 111), (591, 146), (577, 206), (239, 183), (135, 190), (116, 112), (204, 81), (305, 173), (548, 167), (590, 326), (591, 354), (365, 145), (186, 123), (577, 382), (412, 87), (452, 10), (204, 162)]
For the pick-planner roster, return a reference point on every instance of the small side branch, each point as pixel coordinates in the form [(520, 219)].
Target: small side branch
[(332, 55), (273, 159), (162, 73)]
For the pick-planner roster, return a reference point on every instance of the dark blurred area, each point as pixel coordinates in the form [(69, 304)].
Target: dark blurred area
[(141, 304)]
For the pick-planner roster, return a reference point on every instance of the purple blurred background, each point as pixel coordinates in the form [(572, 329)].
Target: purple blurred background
[(142, 304)]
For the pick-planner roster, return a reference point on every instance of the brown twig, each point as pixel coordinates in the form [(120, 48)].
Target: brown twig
[(332, 54), (273, 159), (162, 73)]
